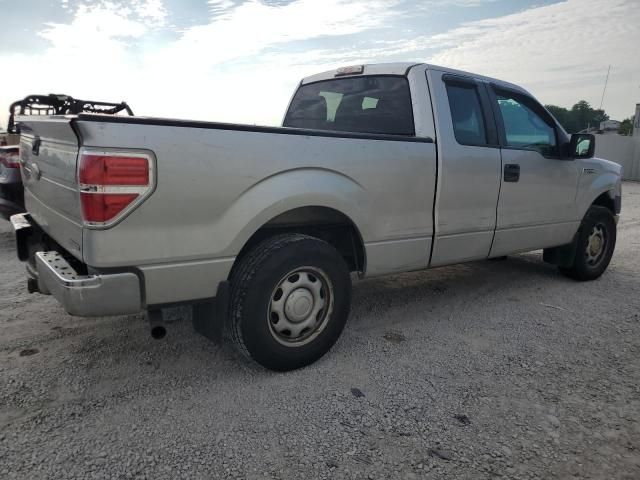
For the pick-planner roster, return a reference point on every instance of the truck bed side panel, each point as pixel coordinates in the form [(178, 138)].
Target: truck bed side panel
[(216, 187)]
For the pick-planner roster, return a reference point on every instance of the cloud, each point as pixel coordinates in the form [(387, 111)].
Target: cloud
[(91, 28), (215, 70), (243, 61), (219, 7), (253, 26), (151, 11), (454, 3), (560, 52), (104, 30)]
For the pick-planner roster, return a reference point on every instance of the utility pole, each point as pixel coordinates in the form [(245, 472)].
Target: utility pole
[(605, 88)]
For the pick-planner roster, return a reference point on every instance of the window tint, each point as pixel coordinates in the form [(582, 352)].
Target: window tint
[(524, 126), (372, 104), (466, 114)]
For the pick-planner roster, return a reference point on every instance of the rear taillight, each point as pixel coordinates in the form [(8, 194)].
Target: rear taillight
[(110, 170), (112, 184), (10, 158)]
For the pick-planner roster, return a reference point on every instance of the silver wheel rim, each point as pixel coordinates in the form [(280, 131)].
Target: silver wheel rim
[(596, 245), (300, 306)]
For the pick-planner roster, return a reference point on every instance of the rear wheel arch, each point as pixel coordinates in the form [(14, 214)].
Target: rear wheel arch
[(303, 281), (325, 223)]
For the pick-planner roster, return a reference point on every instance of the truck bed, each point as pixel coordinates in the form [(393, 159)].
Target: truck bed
[(218, 183)]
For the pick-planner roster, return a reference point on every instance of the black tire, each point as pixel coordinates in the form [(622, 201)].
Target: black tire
[(586, 265), (255, 304)]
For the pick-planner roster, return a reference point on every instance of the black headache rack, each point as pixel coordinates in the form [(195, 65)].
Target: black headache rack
[(54, 104)]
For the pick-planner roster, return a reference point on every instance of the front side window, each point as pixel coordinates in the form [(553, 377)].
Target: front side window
[(524, 126), (466, 114), (371, 104)]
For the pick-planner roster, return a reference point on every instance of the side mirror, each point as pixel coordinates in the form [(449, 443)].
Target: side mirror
[(582, 145)]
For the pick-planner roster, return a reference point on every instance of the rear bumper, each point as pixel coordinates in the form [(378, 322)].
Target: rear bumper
[(90, 295), (87, 295)]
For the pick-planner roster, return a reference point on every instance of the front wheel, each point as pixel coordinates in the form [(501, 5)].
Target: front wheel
[(595, 243), (290, 299)]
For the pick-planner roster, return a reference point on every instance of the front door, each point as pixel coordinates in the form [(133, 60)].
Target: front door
[(537, 203)]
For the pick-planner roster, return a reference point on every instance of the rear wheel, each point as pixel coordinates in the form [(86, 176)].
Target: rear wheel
[(595, 243), (290, 299)]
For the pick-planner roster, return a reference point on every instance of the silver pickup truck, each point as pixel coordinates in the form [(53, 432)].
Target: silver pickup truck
[(377, 169)]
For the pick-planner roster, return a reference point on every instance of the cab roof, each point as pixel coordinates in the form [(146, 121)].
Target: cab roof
[(402, 68)]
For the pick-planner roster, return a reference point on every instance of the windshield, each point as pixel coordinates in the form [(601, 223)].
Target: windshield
[(372, 104)]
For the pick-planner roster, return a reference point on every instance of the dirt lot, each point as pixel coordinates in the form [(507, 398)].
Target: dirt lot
[(484, 370)]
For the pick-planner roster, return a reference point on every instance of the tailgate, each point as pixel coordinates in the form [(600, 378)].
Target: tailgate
[(48, 155)]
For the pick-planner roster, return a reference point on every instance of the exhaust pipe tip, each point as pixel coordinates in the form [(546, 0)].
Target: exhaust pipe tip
[(158, 332)]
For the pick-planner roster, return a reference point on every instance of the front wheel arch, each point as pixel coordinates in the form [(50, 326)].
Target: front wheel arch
[(606, 200), (591, 251), (564, 255)]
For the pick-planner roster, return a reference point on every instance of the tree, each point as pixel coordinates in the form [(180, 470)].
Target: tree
[(580, 117), (626, 126), (585, 116), (561, 114)]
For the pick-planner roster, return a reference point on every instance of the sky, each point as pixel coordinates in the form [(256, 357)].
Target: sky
[(241, 60)]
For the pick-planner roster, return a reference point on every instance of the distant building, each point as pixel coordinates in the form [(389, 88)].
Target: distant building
[(607, 127), (610, 125)]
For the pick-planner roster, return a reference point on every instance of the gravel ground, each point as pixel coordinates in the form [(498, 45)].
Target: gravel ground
[(483, 370)]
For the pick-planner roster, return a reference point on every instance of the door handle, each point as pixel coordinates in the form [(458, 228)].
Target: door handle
[(511, 172)]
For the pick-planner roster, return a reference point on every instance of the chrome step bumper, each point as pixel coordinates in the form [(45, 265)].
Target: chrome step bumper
[(87, 295)]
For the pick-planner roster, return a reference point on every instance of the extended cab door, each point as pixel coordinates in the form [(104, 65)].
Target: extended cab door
[(537, 205), (469, 169)]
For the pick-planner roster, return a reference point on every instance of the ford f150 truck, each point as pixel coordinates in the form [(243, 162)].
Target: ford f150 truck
[(377, 169)]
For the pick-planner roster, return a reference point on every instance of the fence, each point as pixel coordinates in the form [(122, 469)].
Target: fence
[(622, 150)]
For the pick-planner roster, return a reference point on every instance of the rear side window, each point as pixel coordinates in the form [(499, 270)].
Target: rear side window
[(466, 114), (372, 104)]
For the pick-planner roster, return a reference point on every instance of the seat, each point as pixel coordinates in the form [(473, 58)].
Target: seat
[(463, 116), (310, 113)]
